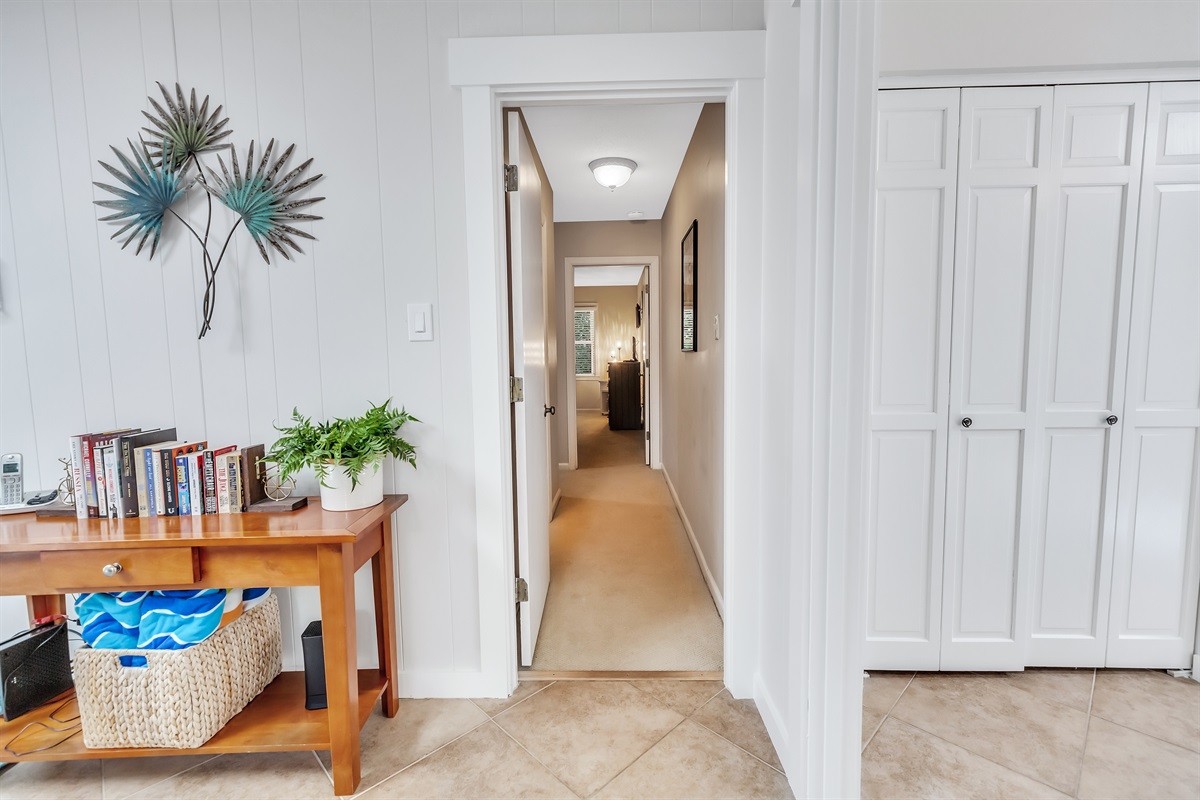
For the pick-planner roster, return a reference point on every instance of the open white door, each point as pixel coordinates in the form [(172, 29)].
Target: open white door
[(530, 420)]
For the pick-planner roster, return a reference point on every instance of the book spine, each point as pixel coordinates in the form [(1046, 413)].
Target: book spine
[(196, 483), (77, 476), (143, 495), (222, 485), (235, 484), (210, 483), (127, 479), (89, 479), (110, 481), (151, 482), (101, 480), (182, 490), (167, 467)]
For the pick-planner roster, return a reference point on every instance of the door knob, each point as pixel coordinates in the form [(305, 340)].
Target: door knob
[(549, 411), (1111, 419), (966, 422), (112, 569)]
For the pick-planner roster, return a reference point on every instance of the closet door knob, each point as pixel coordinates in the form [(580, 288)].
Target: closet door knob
[(548, 411), (966, 422), (112, 569), (1111, 419)]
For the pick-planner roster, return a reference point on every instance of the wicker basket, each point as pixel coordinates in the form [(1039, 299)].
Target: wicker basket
[(181, 698)]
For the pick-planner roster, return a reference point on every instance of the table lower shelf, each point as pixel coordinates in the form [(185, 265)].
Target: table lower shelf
[(276, 720)]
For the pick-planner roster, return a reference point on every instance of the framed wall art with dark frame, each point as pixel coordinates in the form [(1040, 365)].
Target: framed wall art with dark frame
[(688, 264)]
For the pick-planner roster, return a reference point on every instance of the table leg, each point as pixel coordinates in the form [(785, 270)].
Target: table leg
[(336, 568), (45, 605), (385, 616)]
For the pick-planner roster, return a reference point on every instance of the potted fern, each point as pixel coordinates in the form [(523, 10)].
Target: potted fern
[(345, 453)]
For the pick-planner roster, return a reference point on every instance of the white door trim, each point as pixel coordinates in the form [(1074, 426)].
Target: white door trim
[(1061, 76), (493, 73), (654, 401)]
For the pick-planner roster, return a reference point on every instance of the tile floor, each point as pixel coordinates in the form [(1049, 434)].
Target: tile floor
[(566, 739), (1040, 733)]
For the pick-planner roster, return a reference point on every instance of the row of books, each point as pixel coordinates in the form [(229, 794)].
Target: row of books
[(136, 473)]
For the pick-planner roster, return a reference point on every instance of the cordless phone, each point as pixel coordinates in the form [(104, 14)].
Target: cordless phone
[(12, 480)]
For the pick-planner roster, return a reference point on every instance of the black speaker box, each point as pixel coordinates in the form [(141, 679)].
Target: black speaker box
[(314, 667), (34, 667)]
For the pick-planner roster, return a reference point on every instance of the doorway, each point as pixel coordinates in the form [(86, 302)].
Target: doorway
[(624, 579)]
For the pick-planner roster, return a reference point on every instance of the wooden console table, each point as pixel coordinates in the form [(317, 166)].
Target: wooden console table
[(44, 558)]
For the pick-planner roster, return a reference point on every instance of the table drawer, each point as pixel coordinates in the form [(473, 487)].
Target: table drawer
[(130, 568)]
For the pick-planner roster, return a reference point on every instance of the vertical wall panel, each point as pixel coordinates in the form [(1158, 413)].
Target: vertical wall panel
[(637, 16), (675, 15), (83, 233), (585, 16), (41, 259), (114, 82), (409, 253), (449, 202)]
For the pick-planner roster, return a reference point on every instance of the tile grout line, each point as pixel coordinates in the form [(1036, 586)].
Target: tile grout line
[(322, 763), (888, 713), (551, 772), (643, 753), (1087, 727), (980, 755), (422, 758), (514, 705), (735, 744), (104, 791)]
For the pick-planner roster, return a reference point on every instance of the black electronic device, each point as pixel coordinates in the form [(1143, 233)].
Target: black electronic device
[(35, 666), (313, 644)]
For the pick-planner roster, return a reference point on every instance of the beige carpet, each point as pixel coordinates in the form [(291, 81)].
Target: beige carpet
[(626, 591)]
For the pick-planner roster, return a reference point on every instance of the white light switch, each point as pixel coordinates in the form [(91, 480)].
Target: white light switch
[(420, 322)]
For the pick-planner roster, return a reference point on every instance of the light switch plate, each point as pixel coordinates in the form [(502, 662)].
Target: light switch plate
[(420, 322)]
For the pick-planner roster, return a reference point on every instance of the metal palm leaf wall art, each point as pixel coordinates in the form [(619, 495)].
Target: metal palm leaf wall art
[(167, 164)]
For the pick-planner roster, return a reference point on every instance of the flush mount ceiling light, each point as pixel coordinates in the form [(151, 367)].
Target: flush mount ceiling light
[(612, 172)]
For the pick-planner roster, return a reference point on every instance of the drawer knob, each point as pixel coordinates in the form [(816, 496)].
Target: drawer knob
[(112, 569)]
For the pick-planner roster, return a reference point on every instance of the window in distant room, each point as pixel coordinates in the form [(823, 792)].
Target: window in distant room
[(585, 336)]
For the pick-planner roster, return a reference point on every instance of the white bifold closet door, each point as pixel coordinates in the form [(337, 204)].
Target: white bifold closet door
[(1156, 576), (1004, 214), (914, 256), (1093, 169)]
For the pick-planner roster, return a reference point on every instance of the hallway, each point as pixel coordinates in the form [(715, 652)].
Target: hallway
[(626, 591)]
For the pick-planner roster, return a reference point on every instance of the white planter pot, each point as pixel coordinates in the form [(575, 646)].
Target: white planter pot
[(338, 496)]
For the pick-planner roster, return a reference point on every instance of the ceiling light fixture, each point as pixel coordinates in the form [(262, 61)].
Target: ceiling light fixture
[(612, 172)]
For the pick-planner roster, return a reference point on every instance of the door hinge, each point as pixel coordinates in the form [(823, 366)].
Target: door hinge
[(510, 177), (522, 591), (516, 390), (647, 434)]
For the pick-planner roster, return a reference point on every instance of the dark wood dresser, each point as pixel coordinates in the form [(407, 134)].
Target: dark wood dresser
[(625, 395)]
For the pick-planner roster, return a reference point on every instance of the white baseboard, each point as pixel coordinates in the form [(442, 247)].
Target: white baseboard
[(1196, 667), (421, 685), (554, 503), (687, 526), (772, 719), (564, 465)]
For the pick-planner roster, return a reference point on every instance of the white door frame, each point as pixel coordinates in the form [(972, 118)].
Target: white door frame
[(493, 73), (654, 401)]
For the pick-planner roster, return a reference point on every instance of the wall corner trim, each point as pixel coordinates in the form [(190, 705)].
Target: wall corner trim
[(713, 589)]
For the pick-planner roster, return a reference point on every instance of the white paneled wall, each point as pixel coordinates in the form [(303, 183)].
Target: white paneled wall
[(92, 337)]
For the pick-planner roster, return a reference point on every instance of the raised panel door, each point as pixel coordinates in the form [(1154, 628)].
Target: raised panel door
[(1094, 169), (915, 210), (999, 264), (1156, 560)]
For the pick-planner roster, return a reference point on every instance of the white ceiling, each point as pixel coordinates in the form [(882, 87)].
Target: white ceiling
[(608, 276), (568, 137)]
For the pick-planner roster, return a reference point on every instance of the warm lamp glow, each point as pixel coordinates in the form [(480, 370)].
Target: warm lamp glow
[(612, 172)]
